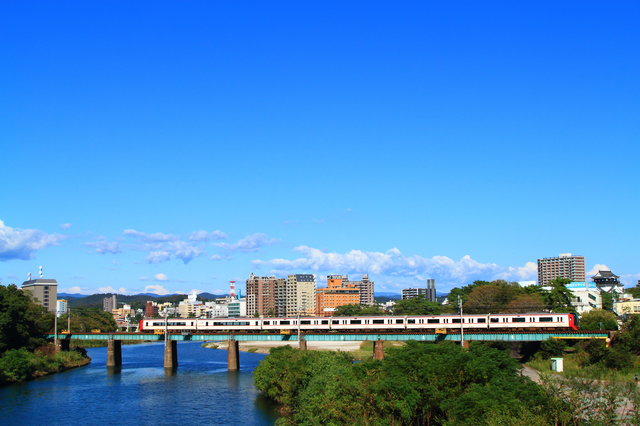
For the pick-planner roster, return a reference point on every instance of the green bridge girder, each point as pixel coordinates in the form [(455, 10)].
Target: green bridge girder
[(337, 337)]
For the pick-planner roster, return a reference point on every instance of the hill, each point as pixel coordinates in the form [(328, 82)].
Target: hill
[(137, 301)]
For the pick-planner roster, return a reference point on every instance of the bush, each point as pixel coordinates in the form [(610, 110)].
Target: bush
[(551, 348), (16, 365)]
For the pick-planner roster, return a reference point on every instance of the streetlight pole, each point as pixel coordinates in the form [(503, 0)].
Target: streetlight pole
[(55, 327), (461, 323)]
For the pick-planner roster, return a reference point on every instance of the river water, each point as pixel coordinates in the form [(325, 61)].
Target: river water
[(201, 391)]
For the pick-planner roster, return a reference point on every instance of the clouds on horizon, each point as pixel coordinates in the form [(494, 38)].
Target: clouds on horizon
[(16, 243), (250, 243), (395, 264), (102, 246)]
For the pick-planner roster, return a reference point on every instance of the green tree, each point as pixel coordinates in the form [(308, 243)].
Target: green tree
[(21, 320), (559, 298), (416, 306), (598, 319)]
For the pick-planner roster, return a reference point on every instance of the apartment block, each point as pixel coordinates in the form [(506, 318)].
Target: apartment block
[(261, 294), (337, 293), (410, 293), (43, 292), (109, 303), (563, 266), (364, 285), (300, 294)]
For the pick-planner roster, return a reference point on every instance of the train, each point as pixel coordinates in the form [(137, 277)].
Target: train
[(383, 323)]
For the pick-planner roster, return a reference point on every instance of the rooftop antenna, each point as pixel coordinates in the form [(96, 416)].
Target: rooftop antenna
[(29, 276), (41, 272)]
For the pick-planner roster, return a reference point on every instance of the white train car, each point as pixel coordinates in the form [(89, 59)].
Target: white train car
[(213, 325), (452, 321), (174, 325), (372, 323), (532, 321)]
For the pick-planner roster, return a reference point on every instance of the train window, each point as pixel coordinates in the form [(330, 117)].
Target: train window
[(545, 319), (206, 323), (378, 321), (324, 322), (411, 321), (265, 322), (356, 322), (482, 320), (305, 322), (399, 321), (285, 322), (456, 321), (335, 321), (518, 319), (433, 321), (191, 323), (495, 320), (256, 322), (146, 324)]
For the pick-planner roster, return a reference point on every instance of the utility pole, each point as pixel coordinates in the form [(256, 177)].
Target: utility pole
[(298, 324), (166, 327), (461, 323), (68, 319), (55, 327)]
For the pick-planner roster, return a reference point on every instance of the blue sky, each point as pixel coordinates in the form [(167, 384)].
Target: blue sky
[(171, 146)]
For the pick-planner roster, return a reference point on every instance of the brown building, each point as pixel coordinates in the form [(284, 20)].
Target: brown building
[(365, 286), (150, 311), (261, 294), (335, 294), (563, 266), (43, 292)]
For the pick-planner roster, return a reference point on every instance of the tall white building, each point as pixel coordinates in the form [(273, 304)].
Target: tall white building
[(300, 290), (61, 307)]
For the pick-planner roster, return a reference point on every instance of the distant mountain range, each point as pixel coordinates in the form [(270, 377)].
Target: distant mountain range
[(135, 300)]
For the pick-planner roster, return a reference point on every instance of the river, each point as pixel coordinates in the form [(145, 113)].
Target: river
[(201, 391)]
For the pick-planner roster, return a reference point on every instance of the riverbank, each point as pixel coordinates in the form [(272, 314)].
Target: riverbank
[(359, 349), (18, 365)]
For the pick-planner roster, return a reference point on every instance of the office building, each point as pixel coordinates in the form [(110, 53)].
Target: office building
[(300, 293), (237, 308), (61, 307), (44, 292), (337, 293), (109, 303), (151, 310), (563, 266), (431, 290)]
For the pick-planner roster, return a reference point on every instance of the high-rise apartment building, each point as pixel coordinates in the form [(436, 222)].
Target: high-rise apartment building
[(563, 266), (43, 291), (109, 303), (300, 294), (410, 293), (337, 293), (364, 285), (61, 307), (261, 294)]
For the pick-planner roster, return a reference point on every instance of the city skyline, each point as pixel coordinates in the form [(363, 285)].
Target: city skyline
[(453, 141)]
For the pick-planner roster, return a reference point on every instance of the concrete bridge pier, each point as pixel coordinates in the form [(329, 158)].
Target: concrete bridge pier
[(234, 358), (378, 352), (114, 353), (63, 345), (170, 354), (302, 344)]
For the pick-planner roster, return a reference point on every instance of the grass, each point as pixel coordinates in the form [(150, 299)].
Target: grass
[(252, 350), (366, 349), (574, 366)]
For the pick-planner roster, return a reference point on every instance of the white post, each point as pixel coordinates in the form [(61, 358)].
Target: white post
[(55, 327)]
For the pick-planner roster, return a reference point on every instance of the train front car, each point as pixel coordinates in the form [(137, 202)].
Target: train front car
[(141, 329)]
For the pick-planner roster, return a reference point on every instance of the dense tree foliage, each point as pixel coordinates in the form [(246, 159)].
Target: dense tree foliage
[(416, 384), (21, 320), (358, 310), (418, 305), (598, 319), (85, 320)]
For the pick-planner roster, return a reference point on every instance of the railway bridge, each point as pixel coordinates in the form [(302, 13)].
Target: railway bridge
[(114, 353)]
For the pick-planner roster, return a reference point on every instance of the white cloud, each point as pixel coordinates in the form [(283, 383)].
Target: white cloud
[(249, 243), (160, 277), (157, 289), (65, 226), (102, 246), (143, 279), (150, 238), (394, 263), (196, 290), (175, 250), (18, 243), (630, 280), (207, 236), (110, 289), (11, 276), (72, 290), (597, 267)]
